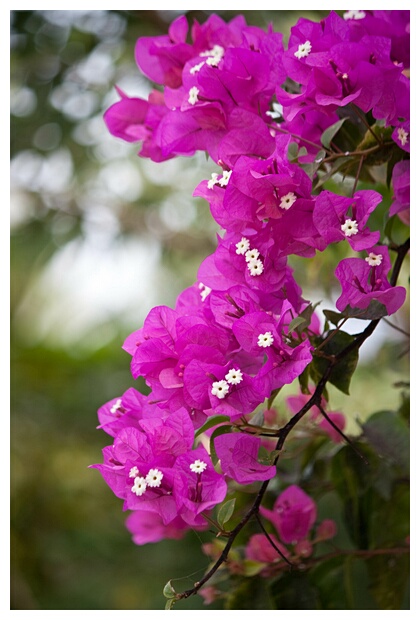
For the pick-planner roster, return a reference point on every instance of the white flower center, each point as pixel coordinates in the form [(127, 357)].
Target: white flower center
[(205, 291), (303, 50), (287, 200), (265, 340), (134, 472), (116, 406), (216, 52), (213, 181), (196, 68), (374, 260), (234, 376), (198, 466), (354, 15), (220, 388), (154, 478), (193, 95), (225, 178), (255, 267), (402, 136), (242, 246), (350, 228), (139, 487), (251, 255)]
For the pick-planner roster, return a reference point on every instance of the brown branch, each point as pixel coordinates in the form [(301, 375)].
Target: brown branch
[(283, 433)]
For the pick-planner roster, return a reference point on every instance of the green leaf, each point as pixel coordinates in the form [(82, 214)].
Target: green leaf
[(225, 512), (298, 321), (213, 421), (330, 132), (396, 231), (292, 151), (250, 593), (333, 317), (375, 310), (168, 591), (220, 430), (342, 372), (294, 591), (389, 580), (390, 436), (170, 603), (304, 381)]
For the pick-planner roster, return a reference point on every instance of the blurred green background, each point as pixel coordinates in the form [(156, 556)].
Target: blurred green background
[(99, 237)]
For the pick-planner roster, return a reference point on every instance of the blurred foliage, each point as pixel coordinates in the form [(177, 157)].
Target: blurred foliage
[(89, 221)]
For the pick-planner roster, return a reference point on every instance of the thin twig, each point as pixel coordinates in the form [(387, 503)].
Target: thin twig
[(272, 543)]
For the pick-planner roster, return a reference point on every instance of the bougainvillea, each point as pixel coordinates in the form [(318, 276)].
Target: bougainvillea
[(278, 123)]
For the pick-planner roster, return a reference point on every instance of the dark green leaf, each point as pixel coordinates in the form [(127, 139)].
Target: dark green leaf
[(298, 321), (333, 317), (330, 132), (342, 372), (375, 310), (251, 593), (213, 421), (225, 512), (390, 436), (294, 591), (389, 579), (220, 430)]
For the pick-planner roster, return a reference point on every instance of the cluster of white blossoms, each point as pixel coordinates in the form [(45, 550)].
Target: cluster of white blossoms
[(354, 15), (217, 179), (213, 57), (350, 228), (303, 50), (374, 260), (153, 479), (221, 388), (254, 263)]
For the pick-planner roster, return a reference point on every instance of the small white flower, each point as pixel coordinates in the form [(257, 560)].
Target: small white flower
[(234, 376), (402, 136), (139, 487), (205, 291), (198, 466), (354, 15), (251, 255), (265, 340), (255, 267), (196, 68), (116, 406), (213, 61), (350, 228), (225, 178), (220, 388), (193, 95), (242, 246), (217, 51), (213, 181), (287, 200), (303, 50), (154, 478), (374, 260), (134, 472)]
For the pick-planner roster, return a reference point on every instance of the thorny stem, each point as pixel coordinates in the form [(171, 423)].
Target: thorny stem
[(283, 433)]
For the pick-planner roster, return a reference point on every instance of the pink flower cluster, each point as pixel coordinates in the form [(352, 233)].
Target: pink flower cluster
[(228, 344)]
